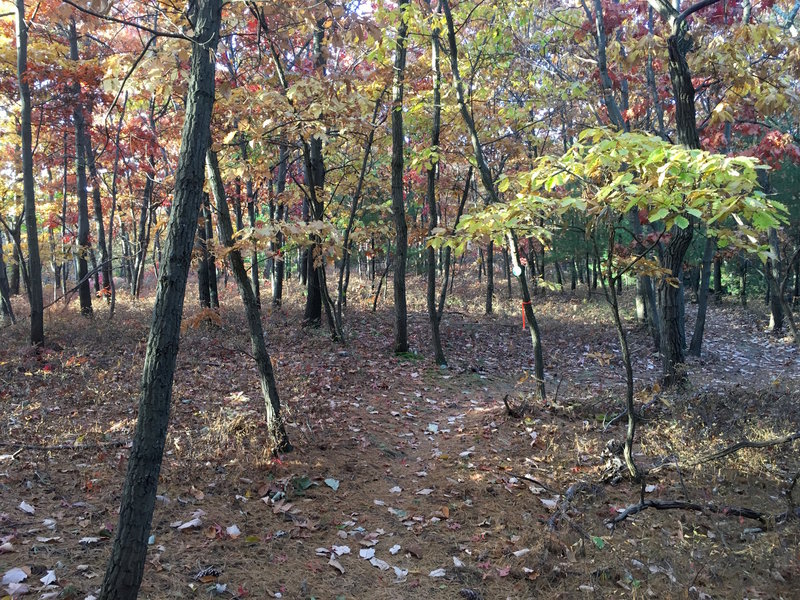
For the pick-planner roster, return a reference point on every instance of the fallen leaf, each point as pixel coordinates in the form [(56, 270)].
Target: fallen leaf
[(336, 564), (49, 578), (233, 531)]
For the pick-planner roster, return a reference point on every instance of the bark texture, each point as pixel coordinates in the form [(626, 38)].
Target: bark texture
[(125, 567)]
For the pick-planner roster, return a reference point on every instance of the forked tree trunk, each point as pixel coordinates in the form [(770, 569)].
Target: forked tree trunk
[(123, 575)]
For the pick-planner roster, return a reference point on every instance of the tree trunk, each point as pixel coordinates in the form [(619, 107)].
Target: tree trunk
[(35, 296), (529, 316), (84, 291), (776, 313), (315, 170), (201, 249), (5, 290), (276, 433), (126, 566), (105, 263), (279, 259), (211, 259), (695, 347), (398, 200), (489, 277)]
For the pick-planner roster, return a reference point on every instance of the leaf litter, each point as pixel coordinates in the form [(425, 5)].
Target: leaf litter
[(446, 428)]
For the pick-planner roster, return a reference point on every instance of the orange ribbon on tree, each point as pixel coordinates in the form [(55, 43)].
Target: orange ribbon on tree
[(528, 303)]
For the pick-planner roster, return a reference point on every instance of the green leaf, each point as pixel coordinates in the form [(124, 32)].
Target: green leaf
[(681, 221), (599, 542), (658, 215)]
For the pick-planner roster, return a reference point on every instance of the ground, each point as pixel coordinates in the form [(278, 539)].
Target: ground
[(421, 465)]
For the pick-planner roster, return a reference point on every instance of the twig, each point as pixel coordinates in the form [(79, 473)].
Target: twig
[(746, 444), (734, 511)]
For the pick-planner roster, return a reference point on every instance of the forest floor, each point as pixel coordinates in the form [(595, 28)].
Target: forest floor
[(407, 480)]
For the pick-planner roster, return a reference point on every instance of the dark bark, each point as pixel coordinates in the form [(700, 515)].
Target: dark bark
[(774, 268), (315, 170), (695, 348), (489, 277), (35, 297), (211, 260), (279, 260), (433, 212), (277, 438), (126, 566), (5, 290), (201, 249), (84, 291), (398, 200)]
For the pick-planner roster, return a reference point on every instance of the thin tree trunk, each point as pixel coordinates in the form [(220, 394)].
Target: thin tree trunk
[(696, 346), (277, 438), (5, 290), (398, 200), (35, 296), (84, 290), (105, 267), (126, 566)]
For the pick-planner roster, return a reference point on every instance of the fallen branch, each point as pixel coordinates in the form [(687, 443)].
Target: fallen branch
[(746, 444), (733, 511), (21, 446)]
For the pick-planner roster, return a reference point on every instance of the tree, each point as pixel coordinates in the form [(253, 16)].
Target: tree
[(80, 170), (126, 565), (31, 227), (398, 195), (277, 438)]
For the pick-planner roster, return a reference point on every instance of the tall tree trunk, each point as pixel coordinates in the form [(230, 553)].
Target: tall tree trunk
[(488, 185), (123, 575), (678, 45), (114, 175), (398, 201), (84, 291), (430, 194), (315, 168), (35, 296), (277, 438)]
